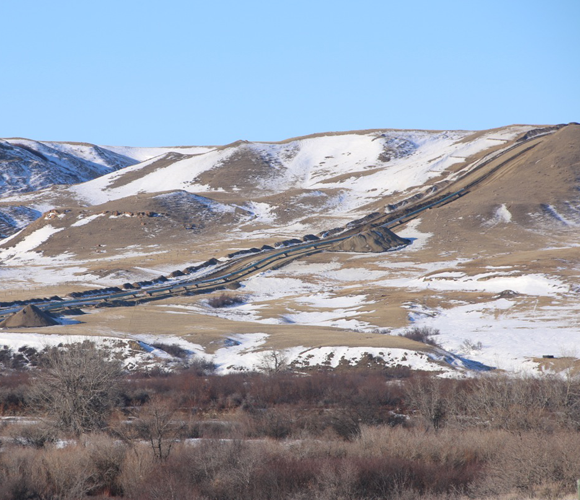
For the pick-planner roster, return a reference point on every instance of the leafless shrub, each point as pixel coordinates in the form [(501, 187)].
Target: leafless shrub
[(426, 395), (138, 472), (64, 473), (35, 435), (16, 471), (77, 387), (173, 349), (538, 465), (157, 425), (107, 457), (275, 423), (346, 424), (383, 462), (517, 403), (200, 366), (496, 436), (225, 300), (14, 388), (469, 346), (422, 334)]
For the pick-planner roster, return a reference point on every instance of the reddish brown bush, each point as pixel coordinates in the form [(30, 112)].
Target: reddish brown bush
[(225, 300)]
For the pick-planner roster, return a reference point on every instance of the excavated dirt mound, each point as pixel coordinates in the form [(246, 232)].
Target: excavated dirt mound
[(376, 240), (30, 316)]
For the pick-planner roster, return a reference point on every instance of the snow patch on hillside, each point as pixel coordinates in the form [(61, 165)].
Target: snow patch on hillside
[(23, 250), (362, 167), (85, 220)]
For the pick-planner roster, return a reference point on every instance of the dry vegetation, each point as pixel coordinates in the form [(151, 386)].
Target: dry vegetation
[(225, 300), (422, 334), (325, 435)]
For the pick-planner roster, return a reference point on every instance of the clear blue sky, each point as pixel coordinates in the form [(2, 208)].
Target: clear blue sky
[(145, 73)]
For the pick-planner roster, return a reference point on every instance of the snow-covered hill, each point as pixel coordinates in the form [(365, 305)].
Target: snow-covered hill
[(29, 166), (495, 270), (339, 174), (365, 166)]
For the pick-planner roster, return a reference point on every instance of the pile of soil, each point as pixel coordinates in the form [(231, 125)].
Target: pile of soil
[(30, 316), (376, 240)]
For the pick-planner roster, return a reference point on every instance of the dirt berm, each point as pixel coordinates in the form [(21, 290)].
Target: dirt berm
[(30, 316), (377, 240)]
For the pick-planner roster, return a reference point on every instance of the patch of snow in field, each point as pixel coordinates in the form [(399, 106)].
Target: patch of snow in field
[(175, 176), (530, 284), (241, 312), (501, 215), (329, 273), (45, 275), (15, 235), (355, 153), (171, 340), (244, 352), (353, 275), (425, 277), (325, 300), (337, 318), (268, 286), (276, 233), (509, 133), (240, 353), (301, 268), (508, 337)]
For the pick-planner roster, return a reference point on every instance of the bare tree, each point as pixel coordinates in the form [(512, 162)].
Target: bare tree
[(274, 361), (157, 425), (77, 387), (425, 395)]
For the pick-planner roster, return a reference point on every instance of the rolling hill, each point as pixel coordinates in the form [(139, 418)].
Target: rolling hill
[(494, 269)]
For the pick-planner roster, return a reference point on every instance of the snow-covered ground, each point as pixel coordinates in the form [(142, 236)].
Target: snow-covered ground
[(240, 352), (539, 314)]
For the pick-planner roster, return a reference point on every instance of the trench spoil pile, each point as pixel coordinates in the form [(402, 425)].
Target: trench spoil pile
[(29, 316), (376, 240)]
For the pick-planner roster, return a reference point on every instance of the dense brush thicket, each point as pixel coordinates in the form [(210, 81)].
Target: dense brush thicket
[(323, 435)]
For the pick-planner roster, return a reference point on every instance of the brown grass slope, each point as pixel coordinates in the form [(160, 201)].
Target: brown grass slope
[(144, 219), (539, 189)]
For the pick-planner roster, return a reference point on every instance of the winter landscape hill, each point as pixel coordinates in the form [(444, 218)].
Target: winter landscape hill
[(484, 248)]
